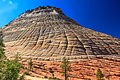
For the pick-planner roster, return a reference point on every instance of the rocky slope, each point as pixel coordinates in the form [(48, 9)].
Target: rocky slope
[(80, 70), (46, 32)]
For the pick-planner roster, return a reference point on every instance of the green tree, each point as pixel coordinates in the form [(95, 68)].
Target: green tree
[(99, 75), (9, 69), (2, 53), (65, 67), (52, 72), (30, 64)]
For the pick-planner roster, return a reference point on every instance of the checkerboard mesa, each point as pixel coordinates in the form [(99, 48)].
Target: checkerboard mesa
[(47, 33)]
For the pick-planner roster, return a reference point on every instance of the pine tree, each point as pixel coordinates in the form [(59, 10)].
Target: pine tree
[(99, 75), (65, 67), (52, 72), (30, 64)]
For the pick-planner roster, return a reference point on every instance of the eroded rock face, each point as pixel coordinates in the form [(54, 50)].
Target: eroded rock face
[(80, 70), (47, 32)]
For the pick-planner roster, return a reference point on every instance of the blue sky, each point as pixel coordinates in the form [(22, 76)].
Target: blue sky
[(99, 15)]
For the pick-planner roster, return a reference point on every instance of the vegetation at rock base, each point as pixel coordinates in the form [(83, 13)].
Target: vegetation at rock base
[(9, 69), (99, 75), (30, 65), (22, 77), (2, 53), (65, 68), (52, 72)]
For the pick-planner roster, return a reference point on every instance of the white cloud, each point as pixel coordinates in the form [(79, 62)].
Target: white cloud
[(8, 8), (10, 2), (3, 0)]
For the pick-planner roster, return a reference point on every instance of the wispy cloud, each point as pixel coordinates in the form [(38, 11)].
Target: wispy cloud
[(8, 7), (3, 0), (10, 2)]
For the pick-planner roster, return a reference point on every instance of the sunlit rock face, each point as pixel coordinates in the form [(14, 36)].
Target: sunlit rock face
[(47, 32)]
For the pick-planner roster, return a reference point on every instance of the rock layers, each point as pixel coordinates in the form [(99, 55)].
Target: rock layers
[(47, 32)]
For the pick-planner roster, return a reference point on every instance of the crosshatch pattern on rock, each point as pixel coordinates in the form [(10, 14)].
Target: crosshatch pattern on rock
[(48, 32)]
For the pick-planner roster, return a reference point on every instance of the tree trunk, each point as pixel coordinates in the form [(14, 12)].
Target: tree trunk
[(65, 74)]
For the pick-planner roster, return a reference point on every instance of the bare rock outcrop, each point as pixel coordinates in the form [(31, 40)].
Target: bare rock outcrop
[(47, 32)]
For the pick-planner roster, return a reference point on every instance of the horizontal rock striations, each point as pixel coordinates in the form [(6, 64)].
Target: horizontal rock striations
[(47, 32)]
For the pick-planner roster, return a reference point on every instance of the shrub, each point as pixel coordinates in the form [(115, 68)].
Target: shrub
[(99, 75), (9, 69), (52, 72)]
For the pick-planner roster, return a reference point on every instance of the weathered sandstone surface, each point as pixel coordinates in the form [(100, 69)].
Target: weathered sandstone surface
[(48, 33), (80, 70)]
